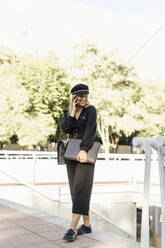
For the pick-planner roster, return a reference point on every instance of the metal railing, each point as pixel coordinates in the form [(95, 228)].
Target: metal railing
[(8, 154), (159, 145), (37, 167)]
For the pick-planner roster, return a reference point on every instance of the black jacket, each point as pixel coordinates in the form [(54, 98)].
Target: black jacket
[(84, 128)]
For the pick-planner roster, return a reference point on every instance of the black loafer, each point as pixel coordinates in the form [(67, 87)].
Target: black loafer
[(84, 229), (70, 236)]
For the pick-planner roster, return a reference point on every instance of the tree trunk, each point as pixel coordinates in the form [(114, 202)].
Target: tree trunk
[(117, 144), (107, 144), (112, 142), (104, 133), (101, 132)]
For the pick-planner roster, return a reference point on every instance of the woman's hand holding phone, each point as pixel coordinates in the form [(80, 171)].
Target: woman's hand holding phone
[(75, 103), (74, 106)]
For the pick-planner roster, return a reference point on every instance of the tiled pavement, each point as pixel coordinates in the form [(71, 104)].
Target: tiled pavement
[(21, 227)]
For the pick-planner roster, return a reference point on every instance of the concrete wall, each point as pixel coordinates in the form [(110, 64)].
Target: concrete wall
[(122, 214)]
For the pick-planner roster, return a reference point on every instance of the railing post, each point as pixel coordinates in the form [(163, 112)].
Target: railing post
[(145, 210), (162, 193), (34, 169), (155, 220), (145, 144), (59, 192), (159, 145)]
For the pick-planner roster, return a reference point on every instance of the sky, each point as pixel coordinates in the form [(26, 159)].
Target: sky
[(134, 27), (148, 10)]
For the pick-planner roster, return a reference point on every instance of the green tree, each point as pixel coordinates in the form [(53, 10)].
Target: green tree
[(152, 109), (31, 129), (13, 101), (7, 56), (115, 90), (35, 129), (33, 94), (45, 81)]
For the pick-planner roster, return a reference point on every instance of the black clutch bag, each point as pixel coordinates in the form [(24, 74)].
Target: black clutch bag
[(73, 148)]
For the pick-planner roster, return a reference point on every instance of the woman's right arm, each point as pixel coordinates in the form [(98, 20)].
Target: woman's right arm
[(68, 123)]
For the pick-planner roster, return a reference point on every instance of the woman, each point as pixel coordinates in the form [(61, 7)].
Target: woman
[(80, 122)]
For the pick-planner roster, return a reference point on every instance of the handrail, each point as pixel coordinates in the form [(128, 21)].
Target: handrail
[(5, 154), (161, 156), (159, 145)]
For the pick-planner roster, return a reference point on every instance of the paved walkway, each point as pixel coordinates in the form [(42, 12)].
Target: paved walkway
[(23, 227)]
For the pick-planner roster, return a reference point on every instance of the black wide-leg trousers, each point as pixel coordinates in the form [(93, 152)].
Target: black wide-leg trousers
[(80, 176)]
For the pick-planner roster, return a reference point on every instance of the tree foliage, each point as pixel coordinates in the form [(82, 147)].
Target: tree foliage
[(7, 56), (152, 109), (117, 92), (33, 96), (34, 92), (45, 82), (13, 102)]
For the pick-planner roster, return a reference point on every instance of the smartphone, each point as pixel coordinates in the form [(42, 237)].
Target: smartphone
[(76, 103), (75, 99)]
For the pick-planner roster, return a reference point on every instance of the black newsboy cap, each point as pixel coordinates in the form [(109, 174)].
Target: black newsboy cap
[(79, 89)]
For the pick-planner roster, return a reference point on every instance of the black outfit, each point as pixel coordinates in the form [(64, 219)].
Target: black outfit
[(80, 175)]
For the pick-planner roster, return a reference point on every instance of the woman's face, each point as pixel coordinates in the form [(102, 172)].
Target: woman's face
[(82, 99)]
